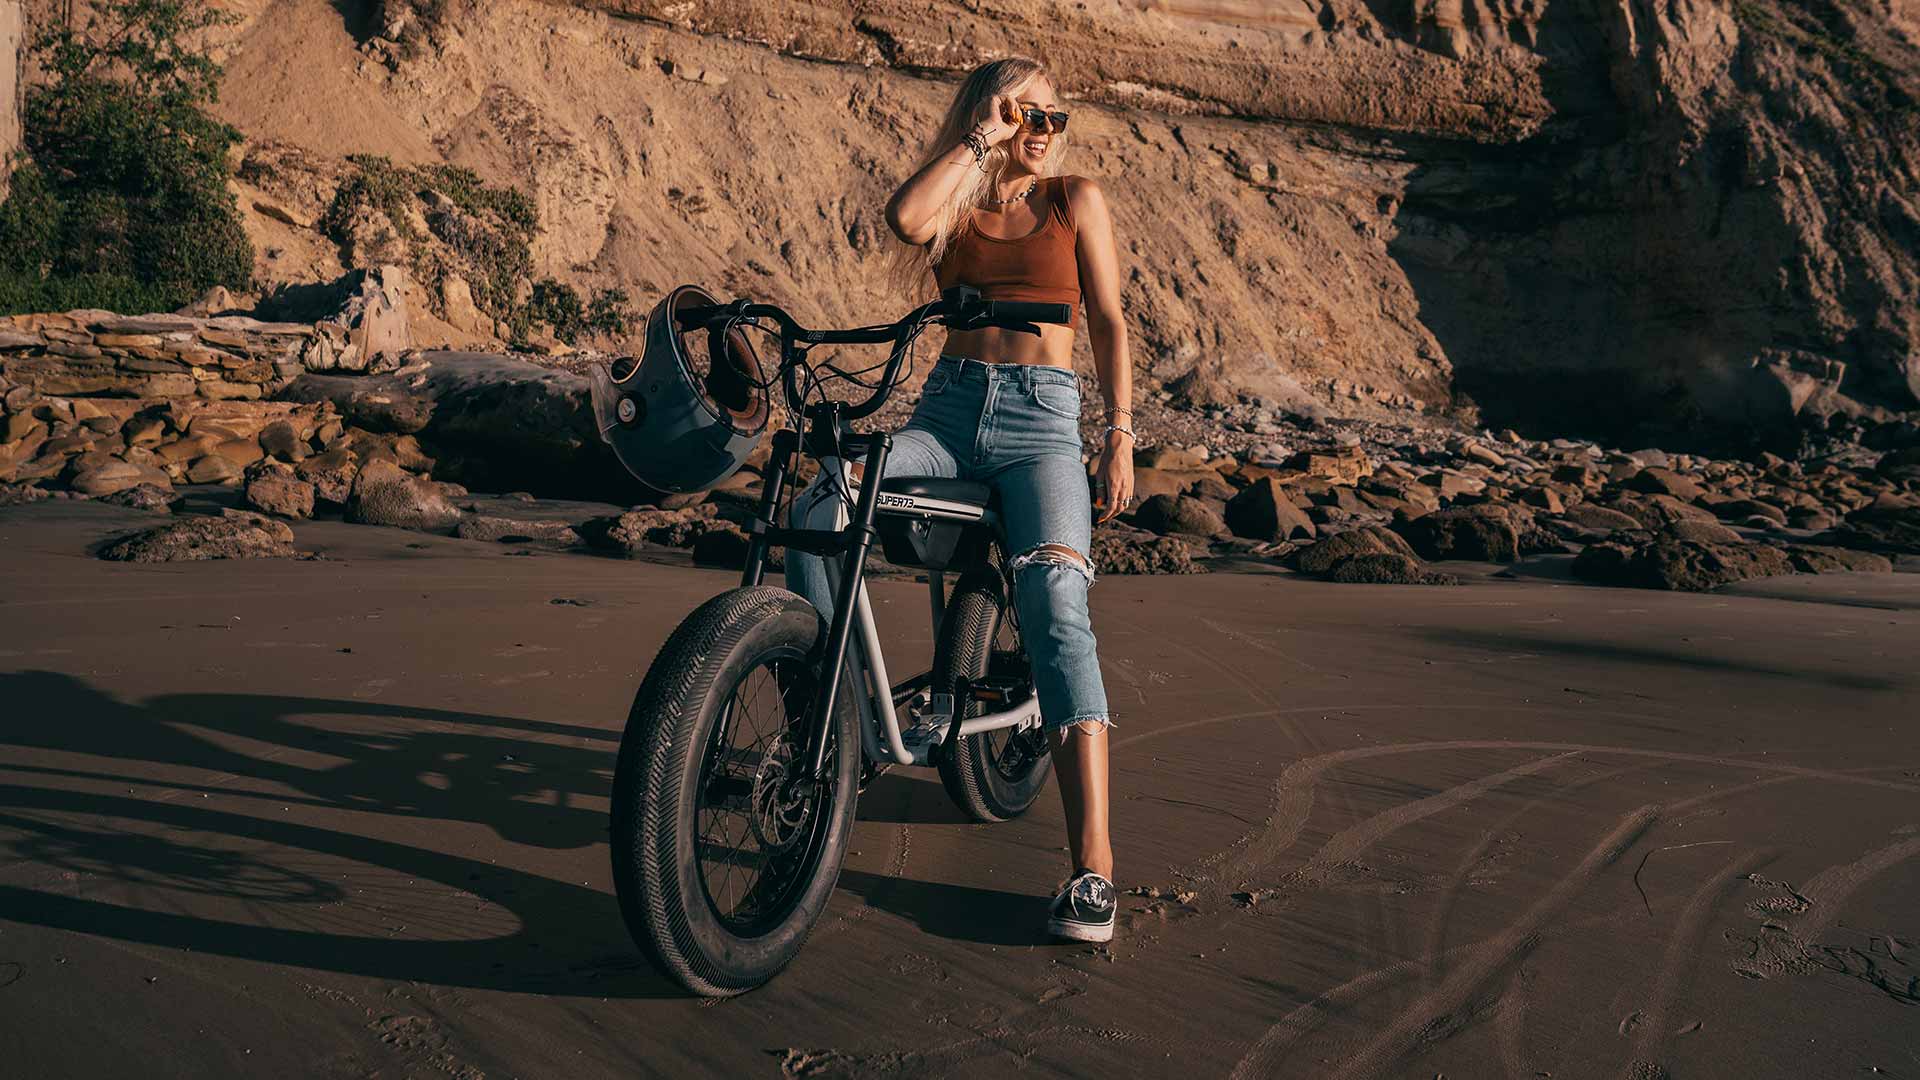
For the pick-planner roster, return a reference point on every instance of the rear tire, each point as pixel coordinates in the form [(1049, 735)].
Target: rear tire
[(995, 775), (680, 773)]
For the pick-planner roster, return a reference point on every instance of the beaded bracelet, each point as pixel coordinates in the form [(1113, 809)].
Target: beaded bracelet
[(1110, 428)]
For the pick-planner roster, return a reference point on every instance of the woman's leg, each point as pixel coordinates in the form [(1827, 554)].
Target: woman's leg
[(1080, 762), (1049, 518)]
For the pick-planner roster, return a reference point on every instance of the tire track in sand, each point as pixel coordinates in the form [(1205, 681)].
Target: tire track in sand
[(1438, 1013), (1683, 948), (1293, 795)]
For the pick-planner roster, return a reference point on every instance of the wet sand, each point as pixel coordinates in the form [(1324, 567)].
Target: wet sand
[(346, 818)]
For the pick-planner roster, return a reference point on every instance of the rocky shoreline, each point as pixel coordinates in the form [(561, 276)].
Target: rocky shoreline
[(131, 410)]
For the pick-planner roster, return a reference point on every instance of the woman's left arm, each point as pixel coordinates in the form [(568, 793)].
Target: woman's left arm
[(1107, 333)]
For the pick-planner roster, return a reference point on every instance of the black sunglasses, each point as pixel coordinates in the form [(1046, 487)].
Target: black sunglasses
[(1040, 119)]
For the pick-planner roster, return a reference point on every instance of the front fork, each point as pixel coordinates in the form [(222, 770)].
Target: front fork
[(857, 539)]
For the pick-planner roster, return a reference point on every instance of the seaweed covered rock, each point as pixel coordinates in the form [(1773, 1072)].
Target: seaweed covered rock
[(233, 535), (1116, 552)]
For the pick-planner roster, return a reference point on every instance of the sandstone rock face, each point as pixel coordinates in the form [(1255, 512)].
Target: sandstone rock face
[(371, 329), (239, 536), (1578, 203), (383, 494), (12, 30)]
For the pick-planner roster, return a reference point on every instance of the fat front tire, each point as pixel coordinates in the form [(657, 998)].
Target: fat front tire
[(689, 758), (995, 775)]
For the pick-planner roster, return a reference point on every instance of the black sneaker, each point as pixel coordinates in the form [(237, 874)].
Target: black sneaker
[(1084, 909)]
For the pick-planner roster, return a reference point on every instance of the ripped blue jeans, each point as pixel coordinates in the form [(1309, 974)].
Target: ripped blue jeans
[(1017, 428)]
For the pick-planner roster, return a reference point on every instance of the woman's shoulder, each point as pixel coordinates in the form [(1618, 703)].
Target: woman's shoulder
[(1080, 194)]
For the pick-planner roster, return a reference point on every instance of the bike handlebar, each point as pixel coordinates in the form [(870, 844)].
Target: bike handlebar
[(960, 307)]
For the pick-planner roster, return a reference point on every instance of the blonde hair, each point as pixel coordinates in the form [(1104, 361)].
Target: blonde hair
[(909, 266)]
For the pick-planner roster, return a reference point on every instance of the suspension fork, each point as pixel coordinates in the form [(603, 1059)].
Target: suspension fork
[(859, 537)]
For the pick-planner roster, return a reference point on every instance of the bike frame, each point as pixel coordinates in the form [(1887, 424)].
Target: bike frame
[(845, 547)]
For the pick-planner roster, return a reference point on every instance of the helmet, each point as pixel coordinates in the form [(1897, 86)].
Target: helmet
[(685, 414)]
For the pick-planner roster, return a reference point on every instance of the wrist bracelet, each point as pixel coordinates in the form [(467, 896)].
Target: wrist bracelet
[(978, 145), (1110, 428), (1119, 409)]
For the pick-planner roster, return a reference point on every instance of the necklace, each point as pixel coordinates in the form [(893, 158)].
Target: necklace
[(1034, 183)]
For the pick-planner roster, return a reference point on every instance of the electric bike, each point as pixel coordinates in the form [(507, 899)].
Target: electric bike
[(759, 722)]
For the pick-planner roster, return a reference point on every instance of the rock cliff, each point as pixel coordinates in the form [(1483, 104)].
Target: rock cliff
[(1633, 218)]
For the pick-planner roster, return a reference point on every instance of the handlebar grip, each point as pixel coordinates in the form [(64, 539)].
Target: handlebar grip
[(1027, 311)]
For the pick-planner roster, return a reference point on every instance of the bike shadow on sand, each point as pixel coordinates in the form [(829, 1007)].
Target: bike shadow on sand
[(139, 856)]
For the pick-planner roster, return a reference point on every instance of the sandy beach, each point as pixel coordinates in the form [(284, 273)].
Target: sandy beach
[(346, 817)]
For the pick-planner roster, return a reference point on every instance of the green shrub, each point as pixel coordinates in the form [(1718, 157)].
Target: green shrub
[(121, 201), (482, 234)]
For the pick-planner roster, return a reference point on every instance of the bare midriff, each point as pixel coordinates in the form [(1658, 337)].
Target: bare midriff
[(1053, 348)]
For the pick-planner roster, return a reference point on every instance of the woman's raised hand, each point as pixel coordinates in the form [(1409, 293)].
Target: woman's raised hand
[(997, 120)]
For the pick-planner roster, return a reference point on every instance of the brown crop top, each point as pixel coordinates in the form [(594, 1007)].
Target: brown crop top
[(1040, 266)]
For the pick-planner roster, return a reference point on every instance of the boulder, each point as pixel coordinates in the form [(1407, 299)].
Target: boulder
[(213, 469), (1483, 533), (1681, 565), (1599, 519), (115, 476), (273, 488), (280, 440), (1744, 510), (230, 536), (1816, 559), (384, 494), (1346, 465), (331, 473), (21, 494), (1262, 511), (151, 497), (1330, 551), (1891, 530), (1386, 568), (635, 530), (1659, 480), (1179, 514), (1117, 552), (1706, 532), (1655, 511)]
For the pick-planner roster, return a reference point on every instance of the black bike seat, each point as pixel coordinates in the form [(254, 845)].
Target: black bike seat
[(972, 492)]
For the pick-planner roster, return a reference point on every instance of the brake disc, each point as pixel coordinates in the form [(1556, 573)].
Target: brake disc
[(777, 813)]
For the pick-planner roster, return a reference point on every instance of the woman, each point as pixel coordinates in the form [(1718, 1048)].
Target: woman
[(989, 207)]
